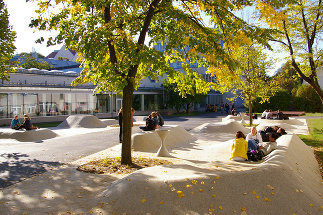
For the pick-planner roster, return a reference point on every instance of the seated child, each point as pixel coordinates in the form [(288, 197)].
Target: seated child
[(239, 148), (15, 123)]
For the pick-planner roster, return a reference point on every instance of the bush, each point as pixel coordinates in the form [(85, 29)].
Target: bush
[(302, 98)]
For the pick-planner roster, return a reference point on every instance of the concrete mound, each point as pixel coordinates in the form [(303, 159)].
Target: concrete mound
[(287, 182), (28, 136), (237, 118), (150, 141), (230, 126), (82, 121)]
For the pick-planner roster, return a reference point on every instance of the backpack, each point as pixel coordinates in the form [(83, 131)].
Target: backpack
[(150, 124), (255, 155)]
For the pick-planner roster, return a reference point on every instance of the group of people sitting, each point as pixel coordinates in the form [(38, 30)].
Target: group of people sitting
[(268, 114), (256, 144), (27, 124), (153, 121)]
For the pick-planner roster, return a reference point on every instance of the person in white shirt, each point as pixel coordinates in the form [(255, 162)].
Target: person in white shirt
[(253, 139), (263, 115), (269, 115), (267, 147)]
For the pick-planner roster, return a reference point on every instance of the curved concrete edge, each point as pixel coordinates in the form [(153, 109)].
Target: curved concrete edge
[(150, 141), (28, 135), (287, 182), (228, 126), (82, 121), (236, 118)]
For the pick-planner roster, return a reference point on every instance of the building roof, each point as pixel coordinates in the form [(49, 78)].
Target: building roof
[(53, 54)]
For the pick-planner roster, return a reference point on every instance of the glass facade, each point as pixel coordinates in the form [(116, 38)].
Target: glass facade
[(52, 104)]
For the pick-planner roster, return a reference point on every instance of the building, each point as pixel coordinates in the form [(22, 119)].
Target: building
[(49, 92)]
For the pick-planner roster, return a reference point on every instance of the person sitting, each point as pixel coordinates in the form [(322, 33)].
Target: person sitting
[(281, 132), (239, 148), (280, 115), (151, 122), (263, 115), (253, 139), (233, 112), (268, 147), (269, 114), (27, 123), (160, 119), (15, 123)]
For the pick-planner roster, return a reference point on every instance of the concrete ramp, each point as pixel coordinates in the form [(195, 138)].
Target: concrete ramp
[(287, 182), (150, 141), (82, 121), (27, 135)]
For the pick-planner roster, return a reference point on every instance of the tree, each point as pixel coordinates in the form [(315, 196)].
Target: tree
[(110, 36), (27, 61), (287, 77), (301, 25), (195, 90), (249, 80), (7, 47)]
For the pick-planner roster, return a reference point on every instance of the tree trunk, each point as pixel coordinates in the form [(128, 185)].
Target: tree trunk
[(127, 125), (250, 112)]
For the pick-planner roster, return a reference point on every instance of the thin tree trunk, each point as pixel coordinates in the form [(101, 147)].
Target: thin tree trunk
[(127, 127)]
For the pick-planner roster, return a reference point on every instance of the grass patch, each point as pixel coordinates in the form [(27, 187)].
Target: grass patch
[(47, 124), (248, 125), (315, 139), (113, 165), (313, 114)]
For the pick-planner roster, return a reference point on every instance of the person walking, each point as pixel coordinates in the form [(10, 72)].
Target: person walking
[(120, 124)]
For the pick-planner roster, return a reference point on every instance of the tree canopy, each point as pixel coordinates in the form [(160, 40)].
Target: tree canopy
[(27, 61), (111, 38), (7, 47), (301, 26), (249, 80)]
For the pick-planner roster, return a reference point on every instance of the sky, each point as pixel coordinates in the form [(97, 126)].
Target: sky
[(20, 14)]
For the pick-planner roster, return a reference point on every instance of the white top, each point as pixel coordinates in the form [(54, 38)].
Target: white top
[(264, 114), (251, 137), (269, 115)]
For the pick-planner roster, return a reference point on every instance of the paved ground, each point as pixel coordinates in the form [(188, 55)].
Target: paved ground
[(21, 160)]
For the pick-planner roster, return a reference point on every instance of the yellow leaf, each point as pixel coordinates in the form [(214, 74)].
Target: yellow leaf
[(217, 177), (270, 187), (213, 195), (201, 190), (244, 209), (311, 205), (161, 202), (194, 181), (188, 186), (170, 185), (202, 182), (254, 192), (69, 212), (220, 207), (143, 200), (180, 194), (101, 205), (267, 199), (257, 197)]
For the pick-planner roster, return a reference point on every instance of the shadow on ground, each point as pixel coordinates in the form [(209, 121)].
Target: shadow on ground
[(18, 167)]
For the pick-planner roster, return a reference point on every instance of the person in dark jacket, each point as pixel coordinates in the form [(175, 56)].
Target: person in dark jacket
[(120, 124), (27, 123)]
